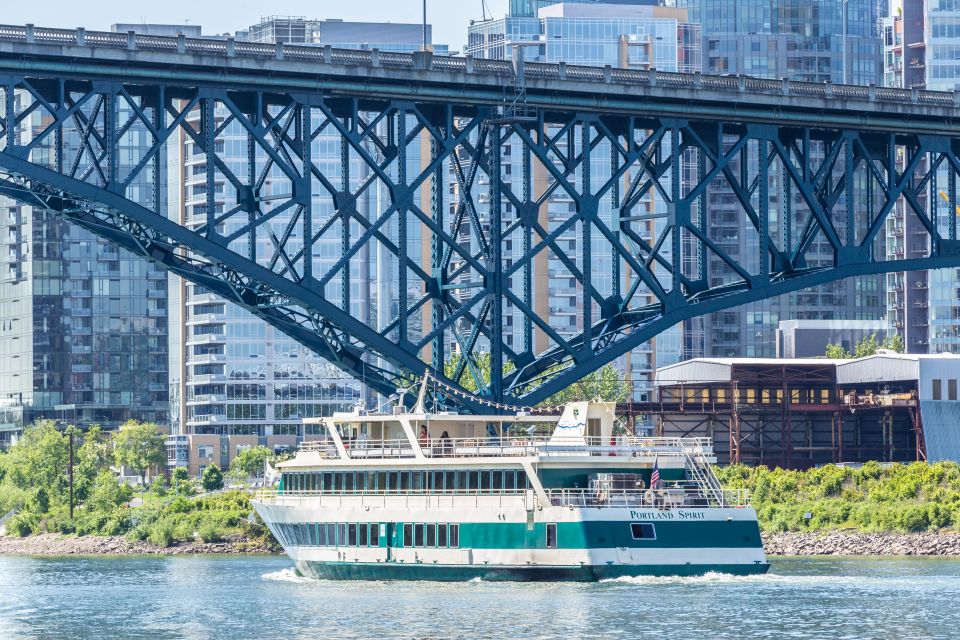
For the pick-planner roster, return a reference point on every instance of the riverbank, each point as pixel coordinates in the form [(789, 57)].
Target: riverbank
[(776, 544), (837, 543), (54, 544)]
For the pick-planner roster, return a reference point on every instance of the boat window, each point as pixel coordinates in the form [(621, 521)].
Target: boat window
[(360, 481), (374, 535), (474, 481), (462, 481), (341, 535), (331, 535), (418, 535), (348, 482), (441, 535), (551, 536), (322, 535), (352, 535), (431, 535), (407, 535), (485, 481), (338, 481), (363, 535), (328, 482), (497, 477), (522, 481), (416, 481), (371, 481), (643, 531), (454, 536)]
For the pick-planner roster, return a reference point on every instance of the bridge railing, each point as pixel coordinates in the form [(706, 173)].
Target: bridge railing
[(231, 48)]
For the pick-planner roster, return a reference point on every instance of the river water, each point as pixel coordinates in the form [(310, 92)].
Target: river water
[(261, 597)]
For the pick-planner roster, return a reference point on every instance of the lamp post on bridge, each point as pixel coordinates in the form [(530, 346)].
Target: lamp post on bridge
[(844, 43), (425, 25)]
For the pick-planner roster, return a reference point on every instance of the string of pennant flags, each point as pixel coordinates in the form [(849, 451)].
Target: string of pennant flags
[(460, 393)]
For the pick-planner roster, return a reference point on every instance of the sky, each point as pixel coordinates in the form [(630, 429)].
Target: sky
[(449, 17)]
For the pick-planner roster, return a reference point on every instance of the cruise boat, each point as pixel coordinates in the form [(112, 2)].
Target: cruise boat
[(418, 496)]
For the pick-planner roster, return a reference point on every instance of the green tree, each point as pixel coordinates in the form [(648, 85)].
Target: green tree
[(212, 478), (867, 347), (92, 456), (837, 352), (607, 384), (250, 463), (180, 480), (894, 343), (139, 446), (39, 459)]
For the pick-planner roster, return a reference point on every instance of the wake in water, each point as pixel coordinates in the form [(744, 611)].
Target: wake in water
[(287, 575), (711, 577)]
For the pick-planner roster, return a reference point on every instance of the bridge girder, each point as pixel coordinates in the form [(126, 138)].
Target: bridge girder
[(462, 208)]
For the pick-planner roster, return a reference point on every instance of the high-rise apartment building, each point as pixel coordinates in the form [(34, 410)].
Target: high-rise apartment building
[(625, 34), (240, 382), (803, 40), (83, 324), (922, 50)]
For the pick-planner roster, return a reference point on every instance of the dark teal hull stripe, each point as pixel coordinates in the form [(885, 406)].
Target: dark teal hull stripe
[(594, 534), (449, 573)]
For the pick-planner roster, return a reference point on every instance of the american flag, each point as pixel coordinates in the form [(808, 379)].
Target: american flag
[(655, 475)]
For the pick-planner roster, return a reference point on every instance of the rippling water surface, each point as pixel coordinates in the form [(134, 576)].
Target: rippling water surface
[(261, 597)]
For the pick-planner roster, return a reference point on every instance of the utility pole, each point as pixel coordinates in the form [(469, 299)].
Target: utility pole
[(70, 473)]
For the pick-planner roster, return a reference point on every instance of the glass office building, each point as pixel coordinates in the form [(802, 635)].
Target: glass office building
[(804, 40), (83, 324), (922, 49)]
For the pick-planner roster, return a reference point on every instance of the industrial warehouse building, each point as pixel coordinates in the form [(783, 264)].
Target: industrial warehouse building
[(803, 412)]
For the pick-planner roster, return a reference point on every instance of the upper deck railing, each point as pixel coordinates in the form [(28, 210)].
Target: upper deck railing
[(424, 61), (674, 495), (516, 447)]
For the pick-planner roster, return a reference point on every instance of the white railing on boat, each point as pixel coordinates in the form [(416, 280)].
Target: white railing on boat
[(508, 446), (393, 499), (690, 496), (675, 496)]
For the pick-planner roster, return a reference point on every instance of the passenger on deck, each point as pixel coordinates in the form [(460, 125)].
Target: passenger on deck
[(424, 436), (446, 446)]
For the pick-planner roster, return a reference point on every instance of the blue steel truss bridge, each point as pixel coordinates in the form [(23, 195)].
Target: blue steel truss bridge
[(313, 159)]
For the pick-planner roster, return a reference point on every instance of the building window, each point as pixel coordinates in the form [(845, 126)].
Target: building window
[(951, 390), (938, 390), (643, 531), (551, 536)]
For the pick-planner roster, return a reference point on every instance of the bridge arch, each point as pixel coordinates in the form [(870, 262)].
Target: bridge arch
[(475, 207)]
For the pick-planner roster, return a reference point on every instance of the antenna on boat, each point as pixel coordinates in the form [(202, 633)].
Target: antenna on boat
[(420, 407)]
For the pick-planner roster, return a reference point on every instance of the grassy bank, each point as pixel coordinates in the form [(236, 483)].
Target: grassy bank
[(214, 518), (875, 498), (33, 481)]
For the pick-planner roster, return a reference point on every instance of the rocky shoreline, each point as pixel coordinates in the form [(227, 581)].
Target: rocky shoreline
[(838, 543), (776, 544), (52, 544)]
